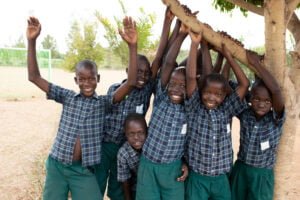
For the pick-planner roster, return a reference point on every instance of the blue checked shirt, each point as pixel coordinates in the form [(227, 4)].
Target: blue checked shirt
[(128, 162), (259, 139), (81, 117), (167, 130), (209, 147), (137, 101)]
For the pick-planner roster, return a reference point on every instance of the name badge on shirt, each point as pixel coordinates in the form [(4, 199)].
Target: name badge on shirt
[(228, 128), (264, 145), (139, 109), (183, 130)]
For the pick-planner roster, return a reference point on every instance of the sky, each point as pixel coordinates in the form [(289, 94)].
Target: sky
[(56, 17)]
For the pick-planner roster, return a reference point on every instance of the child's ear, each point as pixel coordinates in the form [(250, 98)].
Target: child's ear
[(75, 79)]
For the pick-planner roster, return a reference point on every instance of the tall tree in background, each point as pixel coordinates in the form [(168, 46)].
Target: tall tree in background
[(82, 45), (279, 15), (50, 43), (118, 46), (19, 43)]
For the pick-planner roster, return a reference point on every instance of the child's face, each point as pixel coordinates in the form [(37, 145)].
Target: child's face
[(261, 101), (176, 87), (136, 134), (213, 94), (143, 74), (87, 80)]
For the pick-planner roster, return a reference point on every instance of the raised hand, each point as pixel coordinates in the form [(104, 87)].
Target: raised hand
[(33, 29), (195, 37), (253, 58), (169, 15), (129, 32)]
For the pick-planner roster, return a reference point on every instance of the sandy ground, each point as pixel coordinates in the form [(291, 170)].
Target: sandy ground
[(28, 127)]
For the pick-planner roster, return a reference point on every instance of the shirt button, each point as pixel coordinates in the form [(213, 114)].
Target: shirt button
[(255, 126), (214, 137), (213, 155)]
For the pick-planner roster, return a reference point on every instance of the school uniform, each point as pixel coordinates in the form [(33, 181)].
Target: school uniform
[(81, 117), (137, 101), (252, 176), (160, 164), (209, 147), (128, 162)]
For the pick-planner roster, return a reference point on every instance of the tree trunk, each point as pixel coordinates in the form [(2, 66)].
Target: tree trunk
[(288, 78)]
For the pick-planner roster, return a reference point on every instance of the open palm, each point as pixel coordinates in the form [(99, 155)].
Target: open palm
[(33, 28)]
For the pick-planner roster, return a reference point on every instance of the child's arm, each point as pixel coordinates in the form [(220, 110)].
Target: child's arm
[(163, 42), (129, 35), (127, 190), (171, 56), (226, 70), (218, 64), (243, 82), (207, 67), (191, 69), (269, 80), (33, 31), (174, 34)]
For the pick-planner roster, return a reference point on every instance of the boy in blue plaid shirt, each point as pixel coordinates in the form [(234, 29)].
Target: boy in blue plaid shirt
[(137, 101), (261, 126), (135, 128), (77, 146), (161, 173), (209, 148)]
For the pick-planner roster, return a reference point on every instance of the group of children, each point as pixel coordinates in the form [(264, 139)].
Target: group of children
[(186, 151)]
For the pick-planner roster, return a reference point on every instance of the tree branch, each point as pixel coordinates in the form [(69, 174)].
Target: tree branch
[(291, 6), (248, 6), (209, 34)]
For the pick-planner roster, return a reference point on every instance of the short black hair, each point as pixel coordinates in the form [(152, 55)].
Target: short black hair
[(259, 83), (87, 64), (215, 77), (143, 58), (135, 117)]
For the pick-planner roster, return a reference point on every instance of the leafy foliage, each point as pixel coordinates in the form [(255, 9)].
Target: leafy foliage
[(225, 6), (82, 45), (117, 45), (50, 43)]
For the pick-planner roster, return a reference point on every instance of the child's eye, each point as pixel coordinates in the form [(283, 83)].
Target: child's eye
[(255, 100), (267, 101)]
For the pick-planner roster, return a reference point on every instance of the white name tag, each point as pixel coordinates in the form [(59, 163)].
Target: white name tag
[(264, 145), (183, 130), (228, 128), (139, 109)]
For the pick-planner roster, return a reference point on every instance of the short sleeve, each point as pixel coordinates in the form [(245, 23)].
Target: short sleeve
[(234, 105), (58, 93), (192, 103), (122, 167)]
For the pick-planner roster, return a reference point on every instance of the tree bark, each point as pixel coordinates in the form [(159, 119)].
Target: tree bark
[(288, 78)]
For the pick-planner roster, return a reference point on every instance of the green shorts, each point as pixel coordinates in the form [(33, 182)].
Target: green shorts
[(106, 172), (61, 178), (251, 183), (201, 187), (158, 181)]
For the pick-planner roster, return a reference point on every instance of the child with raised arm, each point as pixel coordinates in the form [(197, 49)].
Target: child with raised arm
[(252, 176), (161, 172), (137, 101), (77, 146), (135, 128), (209, 148)]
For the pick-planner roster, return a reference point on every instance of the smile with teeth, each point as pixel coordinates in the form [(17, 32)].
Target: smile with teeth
[(176, 97), (141, 82)]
